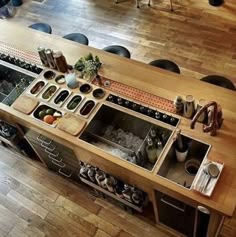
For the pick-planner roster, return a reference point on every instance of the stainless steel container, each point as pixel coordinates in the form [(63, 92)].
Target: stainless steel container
[(50, 58), (43, 57)]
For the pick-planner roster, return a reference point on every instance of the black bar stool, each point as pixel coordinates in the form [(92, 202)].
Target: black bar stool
[(117, 49), (216, 3), (166, 64), (219, 81), (16, 3), (77, 37), (44, 27)]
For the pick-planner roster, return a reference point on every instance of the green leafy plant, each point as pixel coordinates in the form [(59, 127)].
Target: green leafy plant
[(88, 65)]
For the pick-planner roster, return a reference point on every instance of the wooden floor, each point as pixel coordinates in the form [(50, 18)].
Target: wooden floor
[(200, 38)]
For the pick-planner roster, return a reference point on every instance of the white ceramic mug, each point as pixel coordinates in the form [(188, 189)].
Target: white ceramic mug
[(181, 156)]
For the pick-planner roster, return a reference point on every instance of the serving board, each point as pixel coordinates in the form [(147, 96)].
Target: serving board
[(71, 124), (25, 104)]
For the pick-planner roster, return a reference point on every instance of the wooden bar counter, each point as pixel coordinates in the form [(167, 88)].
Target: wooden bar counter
[(156, 82)]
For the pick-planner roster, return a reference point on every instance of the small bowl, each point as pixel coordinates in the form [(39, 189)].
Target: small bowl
[(49, 75), (191, 166), (98, 93), (85, 88), (60, 79)]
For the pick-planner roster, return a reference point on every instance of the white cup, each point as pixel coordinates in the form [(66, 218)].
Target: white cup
[(181, 156)]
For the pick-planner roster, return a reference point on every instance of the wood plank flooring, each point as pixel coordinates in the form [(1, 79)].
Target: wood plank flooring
[(200, 38), (35, 202)]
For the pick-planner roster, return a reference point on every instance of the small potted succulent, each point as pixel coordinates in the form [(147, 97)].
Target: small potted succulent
[(89, 66)]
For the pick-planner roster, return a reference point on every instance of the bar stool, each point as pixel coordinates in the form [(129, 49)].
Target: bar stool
[(77, 37), (117, 49), (216, 3), (16, 3), (219, 81), (44, 27), (165, 64)]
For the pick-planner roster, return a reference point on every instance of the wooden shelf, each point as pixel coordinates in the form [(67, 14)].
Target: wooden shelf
[(137, 208)]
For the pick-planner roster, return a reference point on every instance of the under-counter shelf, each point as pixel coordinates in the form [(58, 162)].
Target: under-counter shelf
[(137, 208)]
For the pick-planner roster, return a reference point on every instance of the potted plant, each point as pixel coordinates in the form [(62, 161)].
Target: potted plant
[(88, 66)]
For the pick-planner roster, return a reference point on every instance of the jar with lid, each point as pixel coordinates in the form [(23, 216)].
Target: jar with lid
[(84, 171), (137, 197), (99, 176), (91, 174), (60, 61), (110, 183)]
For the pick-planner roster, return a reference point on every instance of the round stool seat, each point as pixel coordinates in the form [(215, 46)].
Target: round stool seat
[(216, 2), (77, 37), (117, 49), (16, 3), (166, 64), (42, 27), (219, 81)]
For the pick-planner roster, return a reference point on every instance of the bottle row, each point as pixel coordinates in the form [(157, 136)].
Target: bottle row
[(112, 184), (20, 63), (53, 59), (165, 118)]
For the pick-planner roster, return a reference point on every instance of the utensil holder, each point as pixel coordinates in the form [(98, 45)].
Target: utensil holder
[(181, 155)]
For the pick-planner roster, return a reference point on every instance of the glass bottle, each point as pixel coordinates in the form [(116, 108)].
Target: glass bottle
[(151, 151), (119, 189), (60, 61), (100, 177), (91, 174), (110, 183), (127, 192), (84, 171), (159, 148), (154, 136), (137, 197)]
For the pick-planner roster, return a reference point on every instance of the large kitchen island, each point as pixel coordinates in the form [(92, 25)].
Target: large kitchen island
[(171, 196)]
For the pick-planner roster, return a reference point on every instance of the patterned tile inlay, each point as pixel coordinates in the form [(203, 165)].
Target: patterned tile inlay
[(138, 95), (19, 53)]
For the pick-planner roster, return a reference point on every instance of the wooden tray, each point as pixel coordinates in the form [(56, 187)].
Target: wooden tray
[(71, 124), (25, 104)]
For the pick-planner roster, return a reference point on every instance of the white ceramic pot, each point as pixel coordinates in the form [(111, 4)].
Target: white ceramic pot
[(181, 156)]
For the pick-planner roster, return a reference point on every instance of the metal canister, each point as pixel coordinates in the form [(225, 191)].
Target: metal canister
[(42, 55), (50, 58)]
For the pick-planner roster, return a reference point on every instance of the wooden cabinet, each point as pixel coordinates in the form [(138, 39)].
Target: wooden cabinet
[(12, 137), (175, 214), (54, 155)]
